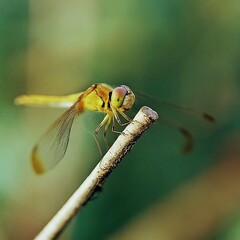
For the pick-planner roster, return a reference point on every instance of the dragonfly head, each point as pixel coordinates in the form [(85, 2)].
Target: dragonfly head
[(122, 97)]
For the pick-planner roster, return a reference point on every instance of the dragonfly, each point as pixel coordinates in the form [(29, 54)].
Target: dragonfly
[(100, 97)]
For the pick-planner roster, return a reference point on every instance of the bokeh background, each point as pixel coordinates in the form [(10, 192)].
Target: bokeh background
[(182, 51)]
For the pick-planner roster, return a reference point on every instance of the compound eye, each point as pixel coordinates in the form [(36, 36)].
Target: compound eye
[(118, 95)]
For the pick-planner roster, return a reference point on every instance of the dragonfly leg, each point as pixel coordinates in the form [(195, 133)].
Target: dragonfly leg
[(114, 127), (115, 131), (116, 116), (105, 132), (104, 121), (126, 117)]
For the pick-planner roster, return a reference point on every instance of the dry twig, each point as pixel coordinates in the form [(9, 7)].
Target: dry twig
[(144, 118)]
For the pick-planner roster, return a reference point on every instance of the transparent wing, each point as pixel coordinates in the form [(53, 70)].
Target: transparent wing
[(203, 115), (185, 132), (52, 147)]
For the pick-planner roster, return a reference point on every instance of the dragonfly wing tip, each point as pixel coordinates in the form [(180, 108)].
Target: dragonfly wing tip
[(36, 162), (209, 118)]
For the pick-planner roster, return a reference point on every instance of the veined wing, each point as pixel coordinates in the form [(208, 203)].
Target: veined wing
[(47, 101), (52, 147), (203, 115), (185, 132)]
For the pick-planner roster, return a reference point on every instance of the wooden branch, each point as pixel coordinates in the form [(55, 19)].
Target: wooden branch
[(142, 121)]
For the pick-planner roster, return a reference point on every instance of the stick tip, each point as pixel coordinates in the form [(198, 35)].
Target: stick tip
[(149, 113)]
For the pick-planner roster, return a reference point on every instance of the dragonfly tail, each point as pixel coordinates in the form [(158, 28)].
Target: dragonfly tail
[(47, 101)]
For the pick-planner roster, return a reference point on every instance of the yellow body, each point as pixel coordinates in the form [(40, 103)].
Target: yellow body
[(101, 97), (47, 101), (96, 98)]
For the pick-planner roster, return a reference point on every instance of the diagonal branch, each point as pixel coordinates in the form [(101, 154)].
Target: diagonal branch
[(142, 121)]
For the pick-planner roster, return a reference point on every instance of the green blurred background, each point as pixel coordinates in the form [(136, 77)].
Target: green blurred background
[(182, 51)]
